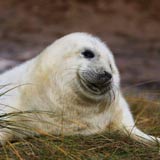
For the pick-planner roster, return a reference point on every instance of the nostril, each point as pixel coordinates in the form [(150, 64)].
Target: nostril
[(107, 75), (104, 77)]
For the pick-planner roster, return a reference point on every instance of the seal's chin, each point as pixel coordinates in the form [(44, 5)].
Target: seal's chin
[(93, 89)]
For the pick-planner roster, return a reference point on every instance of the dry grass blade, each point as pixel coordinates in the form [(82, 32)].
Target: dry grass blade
[(15, 151)]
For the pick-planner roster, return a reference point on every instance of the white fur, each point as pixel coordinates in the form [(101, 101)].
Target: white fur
[(47, 86)]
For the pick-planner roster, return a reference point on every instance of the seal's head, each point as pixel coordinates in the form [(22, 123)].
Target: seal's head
[(85, 64)]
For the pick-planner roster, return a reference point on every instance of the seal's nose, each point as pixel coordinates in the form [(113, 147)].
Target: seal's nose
[(99, 81), (107, 76), (104, 77)]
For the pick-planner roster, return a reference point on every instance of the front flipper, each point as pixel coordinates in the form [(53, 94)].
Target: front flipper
[(126, 124)]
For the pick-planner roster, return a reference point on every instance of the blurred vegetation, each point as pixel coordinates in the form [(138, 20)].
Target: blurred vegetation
[(108, 145)]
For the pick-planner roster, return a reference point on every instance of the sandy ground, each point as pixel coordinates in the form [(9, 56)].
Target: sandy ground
[(129, 27)]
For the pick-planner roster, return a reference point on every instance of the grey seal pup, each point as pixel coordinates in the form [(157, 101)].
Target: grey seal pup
[(71, 87)]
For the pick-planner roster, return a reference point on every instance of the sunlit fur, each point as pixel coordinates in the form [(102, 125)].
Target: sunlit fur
[(46, 95)]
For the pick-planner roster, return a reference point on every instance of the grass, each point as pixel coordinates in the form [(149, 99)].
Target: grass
[(105, 146)]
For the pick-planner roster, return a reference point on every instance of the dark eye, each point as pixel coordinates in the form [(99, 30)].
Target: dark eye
[(111, 67), (88, 54)]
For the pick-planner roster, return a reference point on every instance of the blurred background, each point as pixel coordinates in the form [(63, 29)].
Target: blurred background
[(131, 28)]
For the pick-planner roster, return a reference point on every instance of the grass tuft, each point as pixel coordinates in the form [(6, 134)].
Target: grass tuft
[(105, 146)]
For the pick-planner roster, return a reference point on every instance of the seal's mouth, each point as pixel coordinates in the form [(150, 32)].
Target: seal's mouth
[(95, 88)]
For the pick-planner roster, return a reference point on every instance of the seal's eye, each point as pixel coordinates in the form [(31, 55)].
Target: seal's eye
[(111, 67), (88, 54)]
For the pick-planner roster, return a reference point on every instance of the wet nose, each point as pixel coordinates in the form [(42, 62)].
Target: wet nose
[(104, 77)]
